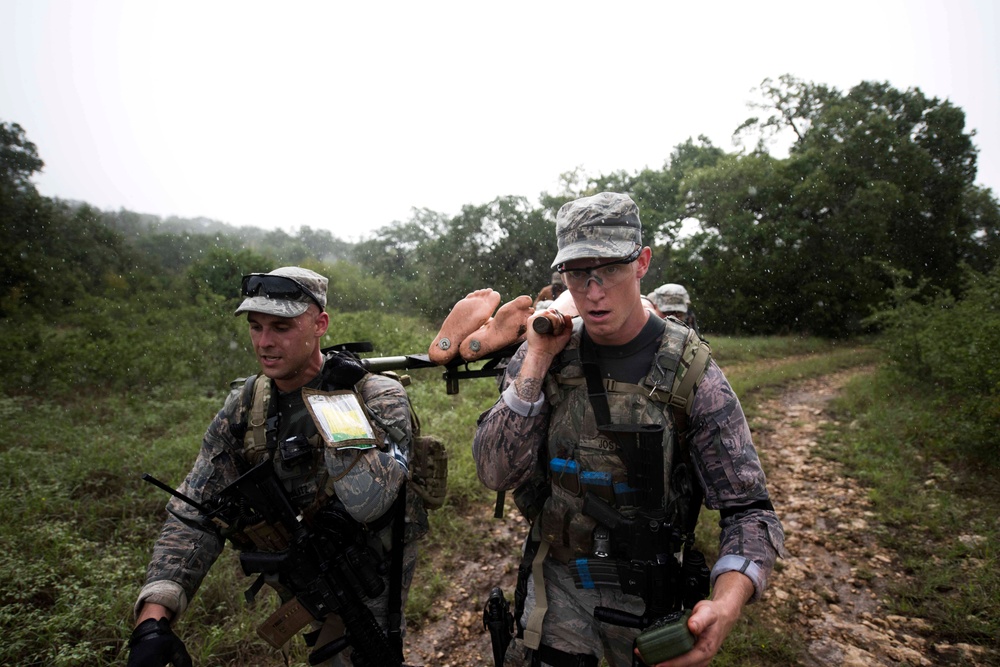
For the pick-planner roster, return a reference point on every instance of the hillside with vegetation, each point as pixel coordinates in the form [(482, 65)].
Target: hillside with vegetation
[(868, 247)]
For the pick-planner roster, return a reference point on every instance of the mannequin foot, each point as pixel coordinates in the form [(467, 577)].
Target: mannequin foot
[(465, 317), (508, 326)]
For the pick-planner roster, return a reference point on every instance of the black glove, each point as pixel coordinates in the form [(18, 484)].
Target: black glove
[(154, 644)]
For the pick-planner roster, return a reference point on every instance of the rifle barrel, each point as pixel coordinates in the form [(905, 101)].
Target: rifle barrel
[(146, 477)]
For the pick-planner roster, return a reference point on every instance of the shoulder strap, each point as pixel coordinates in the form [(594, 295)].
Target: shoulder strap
[(595, 388), (690, 371), (257, 423), (251, 431)]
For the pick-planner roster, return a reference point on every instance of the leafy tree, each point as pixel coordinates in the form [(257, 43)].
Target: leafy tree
[(876, 179), (393, 255), (664, 205), (354, 289), (220, 271), (52, 256), (504, 244), (911, 150), (323, 245), (19, 201), (289, 251), (982, 222), (19, 161)]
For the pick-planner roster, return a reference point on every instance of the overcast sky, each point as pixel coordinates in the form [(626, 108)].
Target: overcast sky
[(345, 115)]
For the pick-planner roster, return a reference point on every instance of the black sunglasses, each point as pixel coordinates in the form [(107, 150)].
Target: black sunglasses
[(276, 287)]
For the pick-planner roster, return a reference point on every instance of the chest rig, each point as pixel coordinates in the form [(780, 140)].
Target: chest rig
[(281, 428), (582, 469), (583, 457)]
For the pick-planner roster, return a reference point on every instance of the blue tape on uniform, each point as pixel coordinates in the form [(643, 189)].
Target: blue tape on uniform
[(583, 569), (596, 478), (563, 466)]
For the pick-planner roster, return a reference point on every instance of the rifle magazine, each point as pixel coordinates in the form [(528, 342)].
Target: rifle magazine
[(284, 623)]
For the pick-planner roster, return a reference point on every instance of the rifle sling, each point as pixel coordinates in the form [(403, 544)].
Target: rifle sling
[(395, 601), (595, 387)]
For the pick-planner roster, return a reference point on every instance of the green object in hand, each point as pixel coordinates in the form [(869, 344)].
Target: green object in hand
[(667, 638)]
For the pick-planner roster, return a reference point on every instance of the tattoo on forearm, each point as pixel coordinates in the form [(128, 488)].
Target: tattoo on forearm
[(528, 389)]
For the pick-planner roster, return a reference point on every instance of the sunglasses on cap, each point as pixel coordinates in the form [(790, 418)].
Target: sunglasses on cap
[(276, 287)]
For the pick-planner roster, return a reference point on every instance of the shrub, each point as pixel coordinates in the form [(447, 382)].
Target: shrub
[(951, 345)]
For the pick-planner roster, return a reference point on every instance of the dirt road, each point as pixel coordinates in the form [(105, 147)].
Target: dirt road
[(830, 591)]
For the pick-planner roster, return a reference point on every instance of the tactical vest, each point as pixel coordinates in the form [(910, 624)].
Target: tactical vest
[(579, 458), (299, 457), (297, 451), (299, 461)]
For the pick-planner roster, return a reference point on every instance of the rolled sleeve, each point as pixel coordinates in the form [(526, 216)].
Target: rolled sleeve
[(170, 594), (733, 563), (520, 406), (509, 434)]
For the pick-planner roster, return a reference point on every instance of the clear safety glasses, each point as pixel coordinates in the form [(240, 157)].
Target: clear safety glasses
[(606, 275)]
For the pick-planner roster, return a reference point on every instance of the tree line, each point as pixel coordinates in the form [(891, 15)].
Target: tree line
[(877, 192)]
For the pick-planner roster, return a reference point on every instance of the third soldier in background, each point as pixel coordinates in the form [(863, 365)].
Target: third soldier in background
[(672, 300), (611, 434)]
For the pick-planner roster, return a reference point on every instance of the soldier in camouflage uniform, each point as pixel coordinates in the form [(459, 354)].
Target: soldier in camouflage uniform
[(285, 311), (550, 292), (672, 300), (544, 415)]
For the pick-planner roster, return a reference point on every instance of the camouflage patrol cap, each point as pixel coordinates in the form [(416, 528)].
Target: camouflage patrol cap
[(292, 306), (670, 298), (603, 225)]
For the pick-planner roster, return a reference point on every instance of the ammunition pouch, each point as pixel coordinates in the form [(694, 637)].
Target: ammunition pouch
[(563, 525), (429, 468)]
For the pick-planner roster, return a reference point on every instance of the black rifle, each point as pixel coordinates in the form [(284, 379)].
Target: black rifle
[(646, 543), (326, 572), (498, 620)]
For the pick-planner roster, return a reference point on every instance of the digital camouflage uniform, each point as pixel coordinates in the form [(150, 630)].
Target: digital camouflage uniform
[(561, 423), (364, 483), (725, 461)]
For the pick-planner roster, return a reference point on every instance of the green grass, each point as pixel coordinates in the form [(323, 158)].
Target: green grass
[(730, 350)]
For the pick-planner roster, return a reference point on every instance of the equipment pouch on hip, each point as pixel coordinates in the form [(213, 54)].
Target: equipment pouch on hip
[(564, 524), (430, 471)]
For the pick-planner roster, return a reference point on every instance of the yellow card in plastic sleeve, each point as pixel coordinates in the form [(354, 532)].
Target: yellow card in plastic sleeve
[(340, 419)]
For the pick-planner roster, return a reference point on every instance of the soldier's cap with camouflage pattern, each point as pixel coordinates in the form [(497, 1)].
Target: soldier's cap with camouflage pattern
[(294, 306), (605, 225), (670, 298)]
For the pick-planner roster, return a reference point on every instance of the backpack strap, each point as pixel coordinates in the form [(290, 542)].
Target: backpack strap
[(690, 371), (257, 421), (533, 626)]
